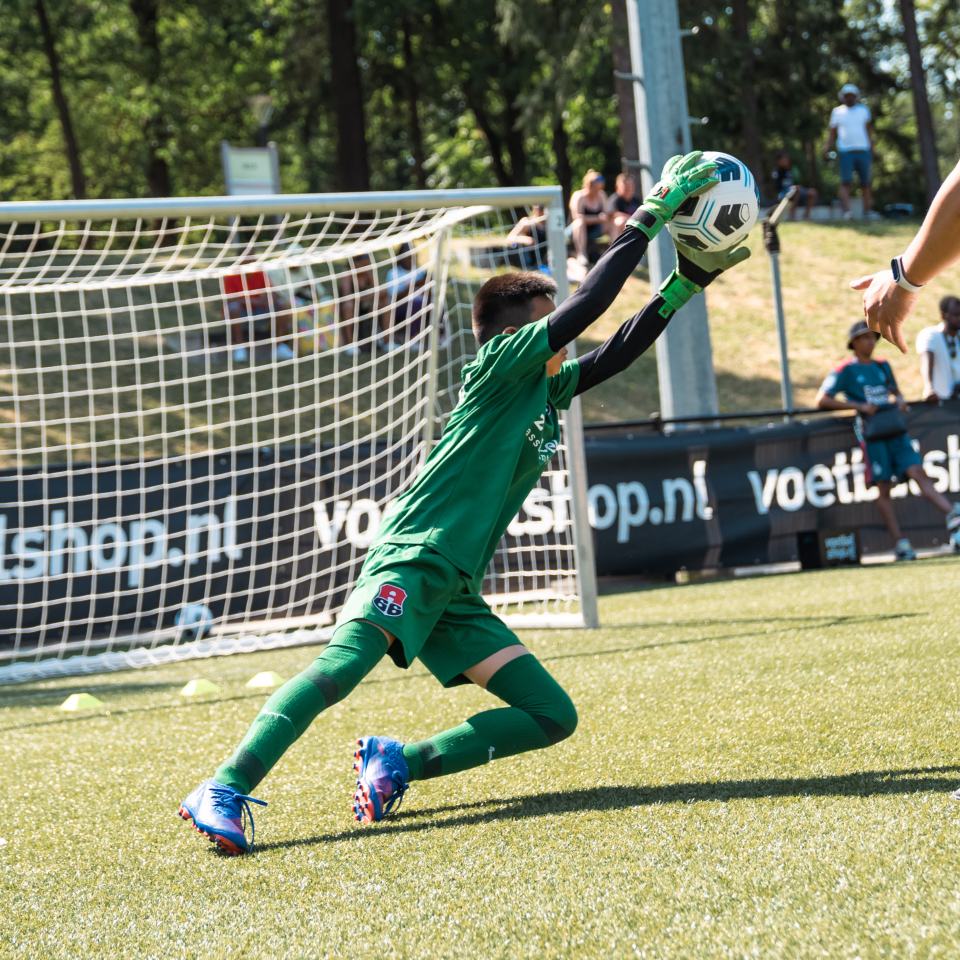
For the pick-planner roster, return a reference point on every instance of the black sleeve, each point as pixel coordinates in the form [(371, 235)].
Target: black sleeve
[(633, 338), (599, 289)]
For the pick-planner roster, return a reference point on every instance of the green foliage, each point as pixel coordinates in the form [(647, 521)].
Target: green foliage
[(457, 94)]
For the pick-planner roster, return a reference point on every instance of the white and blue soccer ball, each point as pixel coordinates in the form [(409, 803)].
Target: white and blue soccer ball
[(194, 621), (722, 217)]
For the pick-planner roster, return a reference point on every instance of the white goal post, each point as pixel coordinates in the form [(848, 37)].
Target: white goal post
[(207, 403)]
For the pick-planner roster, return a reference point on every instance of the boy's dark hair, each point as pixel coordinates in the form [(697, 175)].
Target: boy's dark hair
[(947, 302), (504, 301)]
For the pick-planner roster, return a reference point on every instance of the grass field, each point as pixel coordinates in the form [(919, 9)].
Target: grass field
[(762, 769)]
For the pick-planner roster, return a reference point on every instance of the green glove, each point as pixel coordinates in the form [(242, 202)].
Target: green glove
[(682, 178), (694, 270)]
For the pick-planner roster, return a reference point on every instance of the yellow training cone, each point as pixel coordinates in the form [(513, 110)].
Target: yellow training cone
[(197, 688), (265, 681), (81, 701)]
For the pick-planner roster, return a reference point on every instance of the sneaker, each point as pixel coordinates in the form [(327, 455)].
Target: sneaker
[(903, 550), (583, 260), (953, 519), (283, 352), (382, 778), (350, 350), (241, 355), (220, 813)]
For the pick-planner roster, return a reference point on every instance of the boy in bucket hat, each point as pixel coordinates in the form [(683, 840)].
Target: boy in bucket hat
[(868, 385)]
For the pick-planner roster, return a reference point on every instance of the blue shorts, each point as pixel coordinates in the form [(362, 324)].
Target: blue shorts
[(888, 460), (859, 160)]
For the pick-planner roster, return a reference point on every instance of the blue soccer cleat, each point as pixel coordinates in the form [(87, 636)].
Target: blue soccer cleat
[(220, 813), (382, 778)]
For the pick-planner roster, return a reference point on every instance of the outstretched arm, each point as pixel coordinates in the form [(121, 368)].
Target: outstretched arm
[(632, 339), (636, 335), (886, 304), (682, 177)]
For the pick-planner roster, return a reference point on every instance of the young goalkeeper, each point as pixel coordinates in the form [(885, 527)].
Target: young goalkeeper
[(418, 591)]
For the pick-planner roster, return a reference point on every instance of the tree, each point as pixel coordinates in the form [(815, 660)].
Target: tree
[(921, 104), (747, 58), (565, 55), (156, 130), (626, 108), (352, 169), (71, 147)]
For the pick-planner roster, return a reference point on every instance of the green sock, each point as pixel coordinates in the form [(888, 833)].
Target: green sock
[(354, 651), (540, 713)]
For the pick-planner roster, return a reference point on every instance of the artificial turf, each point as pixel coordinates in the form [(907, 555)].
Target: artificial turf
[(762, 768)]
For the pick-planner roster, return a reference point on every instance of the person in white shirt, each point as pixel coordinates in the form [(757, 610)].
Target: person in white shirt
[(939, 349), (851, 133)]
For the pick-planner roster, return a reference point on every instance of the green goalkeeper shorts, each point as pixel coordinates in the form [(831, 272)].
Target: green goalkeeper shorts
[(430, 607)]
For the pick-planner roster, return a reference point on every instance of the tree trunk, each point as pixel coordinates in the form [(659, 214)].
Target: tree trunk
[(352, 163), (77, 179), (412, 90), (623, 88), (749, 127), (156, 131), (561, 154), (308, 130), (921, 104), (493, 139), (515, 144)]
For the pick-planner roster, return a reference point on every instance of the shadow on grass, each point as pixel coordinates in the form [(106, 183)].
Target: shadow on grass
[(796, 624), (866, 783)]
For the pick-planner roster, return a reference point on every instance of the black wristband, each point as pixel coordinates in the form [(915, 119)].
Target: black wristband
[(692, 272)]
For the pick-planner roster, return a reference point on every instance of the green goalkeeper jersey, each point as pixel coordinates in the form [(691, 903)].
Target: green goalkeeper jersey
[(496, 444)]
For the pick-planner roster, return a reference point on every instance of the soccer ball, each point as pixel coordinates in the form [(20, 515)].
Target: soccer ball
[(723, 216), (194, 621)]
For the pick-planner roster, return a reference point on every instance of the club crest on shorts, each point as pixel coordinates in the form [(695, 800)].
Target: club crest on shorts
[(389, 599)]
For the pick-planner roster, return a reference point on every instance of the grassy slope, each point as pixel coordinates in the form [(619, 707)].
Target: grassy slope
[(761, 769), (817, 262)]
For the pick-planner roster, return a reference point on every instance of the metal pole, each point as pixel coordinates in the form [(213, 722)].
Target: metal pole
[(771, 242), (684, 356), (573, 434)]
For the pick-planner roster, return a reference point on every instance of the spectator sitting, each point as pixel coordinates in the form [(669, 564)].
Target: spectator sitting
[(253, 309), (622, 205), (890, 456), (939, 349), (405, 285), (359, 305), (851, 132), (785, 177), (588, 212), (529, 234)]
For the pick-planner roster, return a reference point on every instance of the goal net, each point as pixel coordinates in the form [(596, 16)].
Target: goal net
[(207, 404)]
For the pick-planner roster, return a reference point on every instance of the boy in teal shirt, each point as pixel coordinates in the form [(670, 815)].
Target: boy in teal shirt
[(868, 385), (418, 594)]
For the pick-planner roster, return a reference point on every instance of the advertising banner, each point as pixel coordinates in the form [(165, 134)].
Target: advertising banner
[(121, 548), (740, 496)]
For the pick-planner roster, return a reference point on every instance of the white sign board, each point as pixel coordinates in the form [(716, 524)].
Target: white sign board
[(249, 171)]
